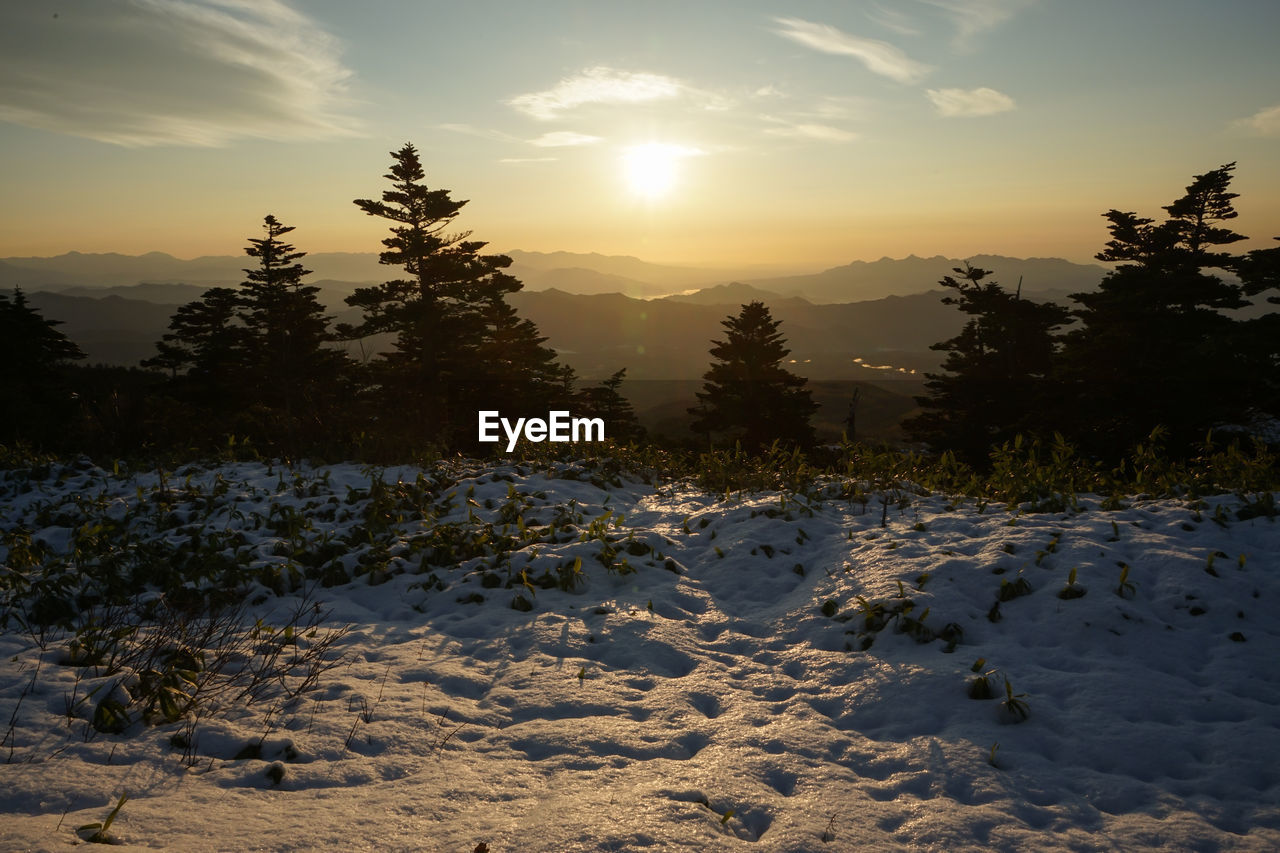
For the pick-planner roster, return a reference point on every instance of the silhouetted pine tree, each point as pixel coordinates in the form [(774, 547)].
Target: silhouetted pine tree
[(605, 401), (33, 355), (997, 369), (1259, 273), (454, 332), (297, 380), (1154, 347), (253, 361), (748, 396), (512, 370), (205, 352)]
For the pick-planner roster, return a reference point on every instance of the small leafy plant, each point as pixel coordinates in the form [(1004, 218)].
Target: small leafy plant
[(1072, 589), (100, 831), (981, 687), (1125, 588), (1017, 589), (1014, 705), (874, 615), (951, 634), (915, 627)]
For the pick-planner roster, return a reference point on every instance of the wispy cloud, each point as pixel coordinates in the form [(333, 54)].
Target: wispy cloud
[(528, 159), (564, 139), (892, 19), (841, 107), (554, 139), (970, 102), (972, 17), (482, 132), (818, 132), (819, 119), (173, 72), (879, 57), (1265, 122), (599, 85)]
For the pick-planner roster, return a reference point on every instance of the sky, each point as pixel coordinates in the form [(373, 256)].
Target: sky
[(795, 135)]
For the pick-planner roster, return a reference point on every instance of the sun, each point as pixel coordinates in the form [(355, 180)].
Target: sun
[(652, 169)]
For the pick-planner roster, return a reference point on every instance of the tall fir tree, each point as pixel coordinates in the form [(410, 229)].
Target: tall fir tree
[(1154, 347), (298, 378), (998, 369), (748, 396), (457, 344), (511, 368), (605, 401), (205, 352), (255, 360), (38, 402)]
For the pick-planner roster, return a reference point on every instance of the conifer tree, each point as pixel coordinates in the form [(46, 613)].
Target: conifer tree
[(1259, 356), (457, 344), (1153, 346), (205, 351), (296, 377), (255, 359), (997, 369), (748, 396), (511, 368), (33, 356), (606, 401)]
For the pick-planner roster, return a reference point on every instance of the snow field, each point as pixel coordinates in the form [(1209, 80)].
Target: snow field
[(724, 688)]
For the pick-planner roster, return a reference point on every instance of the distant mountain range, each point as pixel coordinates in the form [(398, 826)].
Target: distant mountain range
[(670, 338), (900, 277), (870, 323), (866, 323), (113, 270), (577, 273), (595, 334), (583, 274), (860, 321)]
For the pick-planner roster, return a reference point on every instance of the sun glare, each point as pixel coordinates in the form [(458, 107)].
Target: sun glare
[(651, 170)]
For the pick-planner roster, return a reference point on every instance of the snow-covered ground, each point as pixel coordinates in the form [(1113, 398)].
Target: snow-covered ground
[(757, 674)]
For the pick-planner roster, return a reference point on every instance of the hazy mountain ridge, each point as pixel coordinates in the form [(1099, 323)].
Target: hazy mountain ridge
[(600, 319), (588, 282), (662, 342), (117, 270), (110, 329), (581, 273), (731, 293), (670, 338), (115, 328), (596, 334), (14, 275), (863, 280), (635, 277), (332, 293)]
